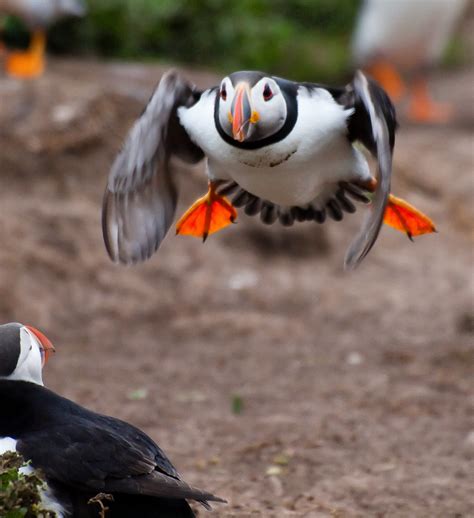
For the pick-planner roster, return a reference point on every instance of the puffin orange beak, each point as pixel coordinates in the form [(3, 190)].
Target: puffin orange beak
[(45, 343), (242, 115)]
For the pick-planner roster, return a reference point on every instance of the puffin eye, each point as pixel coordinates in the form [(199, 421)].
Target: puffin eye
[(267, 93), (43, 355), (223, 93)]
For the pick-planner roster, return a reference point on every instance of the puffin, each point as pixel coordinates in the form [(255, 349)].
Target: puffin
[(37, 15), (288, 152), (81, 453), (394, 40)]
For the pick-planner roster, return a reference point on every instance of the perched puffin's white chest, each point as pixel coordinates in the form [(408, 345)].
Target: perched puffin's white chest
[(292, 171), (47, 500), (7, 444)]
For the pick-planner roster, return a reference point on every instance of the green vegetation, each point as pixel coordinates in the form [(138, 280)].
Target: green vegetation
[(19, 493), (302, 39), (237, 404)]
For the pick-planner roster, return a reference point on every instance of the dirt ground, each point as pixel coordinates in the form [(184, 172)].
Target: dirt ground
[(269, 376)]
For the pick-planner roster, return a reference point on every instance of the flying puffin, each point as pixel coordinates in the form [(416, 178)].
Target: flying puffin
[(393, 38), (288, 151), (82, 453), (38, 15)]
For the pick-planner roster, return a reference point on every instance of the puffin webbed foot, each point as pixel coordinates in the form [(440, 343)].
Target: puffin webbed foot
[(388, 78), (424, 109), (402, 216), (207, 215), (30, 63)]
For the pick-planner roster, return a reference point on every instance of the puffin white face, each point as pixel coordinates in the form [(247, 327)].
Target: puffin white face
[(24, 351), (251, 113)]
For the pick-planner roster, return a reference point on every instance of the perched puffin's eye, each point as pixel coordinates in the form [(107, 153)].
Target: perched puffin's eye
[(223, 93), (267, 93), (43, 356)]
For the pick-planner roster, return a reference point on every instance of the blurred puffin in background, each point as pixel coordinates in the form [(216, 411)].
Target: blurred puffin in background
[(37, 15), (79, 452), (287, 150), (395, 38)]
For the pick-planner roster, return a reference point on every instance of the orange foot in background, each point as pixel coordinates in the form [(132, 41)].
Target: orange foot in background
[(422, 108), (388, 77), (29, 64), (402, 216), (207, 215)]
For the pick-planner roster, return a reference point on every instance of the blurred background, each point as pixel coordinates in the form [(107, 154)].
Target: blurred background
[(268, 375), (279, 36)]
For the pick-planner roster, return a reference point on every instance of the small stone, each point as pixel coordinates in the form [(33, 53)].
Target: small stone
[(273, 471), (354, 358), (243, 280)]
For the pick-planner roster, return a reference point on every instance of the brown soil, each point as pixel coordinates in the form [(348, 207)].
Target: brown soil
[(267, 374)]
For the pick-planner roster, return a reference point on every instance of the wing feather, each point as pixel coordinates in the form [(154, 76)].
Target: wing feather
[(140, 199), (374, 124)]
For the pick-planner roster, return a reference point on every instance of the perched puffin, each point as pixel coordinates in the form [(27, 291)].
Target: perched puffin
[(287, 150), (38, 15), (394, 38), (82, 453)]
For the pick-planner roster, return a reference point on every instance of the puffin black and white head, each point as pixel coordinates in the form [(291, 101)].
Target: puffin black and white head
[(24, 351), (81, 453), (251, 106), (285, 150)]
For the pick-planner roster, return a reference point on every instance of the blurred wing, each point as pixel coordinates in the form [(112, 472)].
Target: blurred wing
[(140, 198), (373, 124)]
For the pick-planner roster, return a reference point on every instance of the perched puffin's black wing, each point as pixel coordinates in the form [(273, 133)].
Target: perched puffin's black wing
[(91, 456), (373, 123), (140, 198)]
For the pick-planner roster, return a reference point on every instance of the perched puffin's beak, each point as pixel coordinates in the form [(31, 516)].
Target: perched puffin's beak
[(242, 115), (46, 344)]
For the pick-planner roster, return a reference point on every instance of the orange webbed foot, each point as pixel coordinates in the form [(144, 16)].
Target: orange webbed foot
[(28, 64), (207, 215), (389, 78), (402, 216), (424, 109)]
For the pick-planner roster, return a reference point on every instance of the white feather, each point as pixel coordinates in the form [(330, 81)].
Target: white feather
[(47, 499), (407, 32)]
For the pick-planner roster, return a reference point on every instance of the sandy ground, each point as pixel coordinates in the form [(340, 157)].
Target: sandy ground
[(266, 373)]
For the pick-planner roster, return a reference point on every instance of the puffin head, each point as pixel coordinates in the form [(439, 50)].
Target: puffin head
[(24, 351), (251, 106)]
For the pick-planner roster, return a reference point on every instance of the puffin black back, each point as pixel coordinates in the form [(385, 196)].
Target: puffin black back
[(22, 406)]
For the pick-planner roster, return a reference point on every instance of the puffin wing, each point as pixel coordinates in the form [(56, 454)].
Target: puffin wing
[(373, 124), (107, 455), (140, 198)]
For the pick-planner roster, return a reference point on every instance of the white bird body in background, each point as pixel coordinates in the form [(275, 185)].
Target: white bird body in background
[(37, 15), (395, 38)]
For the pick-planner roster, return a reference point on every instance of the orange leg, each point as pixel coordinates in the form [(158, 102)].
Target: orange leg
[(422, 108), (388, 77), (402, 216), (207, 215), (29, 64)]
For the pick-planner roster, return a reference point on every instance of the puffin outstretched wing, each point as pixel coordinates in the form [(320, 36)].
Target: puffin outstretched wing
[(373, 124), (140, 198)]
